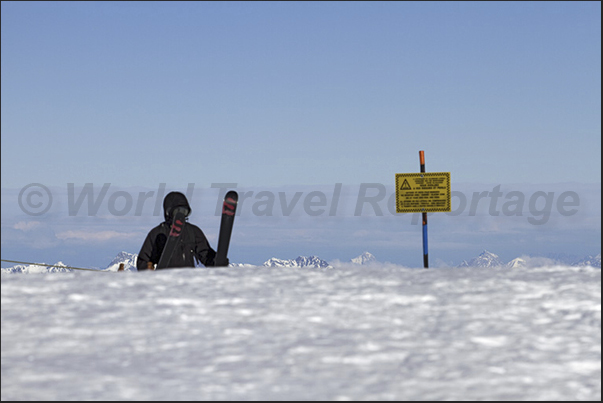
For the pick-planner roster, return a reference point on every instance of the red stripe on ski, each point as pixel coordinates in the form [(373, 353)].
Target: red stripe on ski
[(228, 207), (176, 228)]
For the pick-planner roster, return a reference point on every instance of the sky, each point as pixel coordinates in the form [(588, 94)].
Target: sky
[(274, 95)]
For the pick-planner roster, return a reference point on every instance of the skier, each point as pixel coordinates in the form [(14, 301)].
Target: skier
[(192, 243)]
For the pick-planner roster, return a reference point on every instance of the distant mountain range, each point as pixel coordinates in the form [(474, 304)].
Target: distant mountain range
[(594, 261), (59, 267), (485, 259), (316, 262), (489, 259), (301, 261)]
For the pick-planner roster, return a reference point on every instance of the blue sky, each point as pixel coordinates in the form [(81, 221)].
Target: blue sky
[(299, 94)]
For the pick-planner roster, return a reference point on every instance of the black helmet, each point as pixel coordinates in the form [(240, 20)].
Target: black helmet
[(172, 201)]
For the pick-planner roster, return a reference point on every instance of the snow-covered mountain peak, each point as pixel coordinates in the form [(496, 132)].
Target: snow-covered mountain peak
[(128, 259), (485, 259), (365, 258), (122, 256), (516, 263), (594, 261)]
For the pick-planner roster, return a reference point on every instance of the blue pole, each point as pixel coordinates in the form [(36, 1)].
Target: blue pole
[(425, 250)]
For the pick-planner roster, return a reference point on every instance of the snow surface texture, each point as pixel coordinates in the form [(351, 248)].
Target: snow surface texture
[(351, 332)]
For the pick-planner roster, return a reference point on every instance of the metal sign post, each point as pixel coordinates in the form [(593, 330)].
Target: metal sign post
[(425, 192), (425, 249)]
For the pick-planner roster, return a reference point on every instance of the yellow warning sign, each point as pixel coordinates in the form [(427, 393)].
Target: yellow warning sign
[(423, 192)]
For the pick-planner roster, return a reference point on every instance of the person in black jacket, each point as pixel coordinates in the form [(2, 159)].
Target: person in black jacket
[(192, 242)]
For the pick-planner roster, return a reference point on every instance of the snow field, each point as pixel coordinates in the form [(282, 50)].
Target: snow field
[(381, 332)]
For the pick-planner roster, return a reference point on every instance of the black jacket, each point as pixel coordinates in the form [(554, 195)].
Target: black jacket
[(191, 242)]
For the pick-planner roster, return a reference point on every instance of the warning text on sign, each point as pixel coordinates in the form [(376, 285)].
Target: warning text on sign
[(423, 192)]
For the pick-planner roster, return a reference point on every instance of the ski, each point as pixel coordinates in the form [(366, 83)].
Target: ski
[(229, 208), (178, 223)]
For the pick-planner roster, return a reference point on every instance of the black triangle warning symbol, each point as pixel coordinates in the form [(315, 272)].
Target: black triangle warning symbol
[(405, 185)]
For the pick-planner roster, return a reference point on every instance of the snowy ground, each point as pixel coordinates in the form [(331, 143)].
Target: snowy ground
[(352, 332)]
